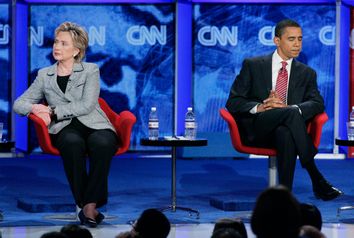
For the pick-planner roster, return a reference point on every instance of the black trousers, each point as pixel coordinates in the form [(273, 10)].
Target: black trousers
[(75, 142), (285, 130)]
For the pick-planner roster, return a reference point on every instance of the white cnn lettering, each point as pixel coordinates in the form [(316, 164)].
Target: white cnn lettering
[(97, 36), (212, 35), (4, 34), (327, 35), (140, 35), (352, 39), (266, 35), (36, 36)]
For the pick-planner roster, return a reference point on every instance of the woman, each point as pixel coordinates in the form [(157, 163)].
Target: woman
[(76, 123)]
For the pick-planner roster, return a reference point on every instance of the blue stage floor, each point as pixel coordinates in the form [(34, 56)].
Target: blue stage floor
[(38, 185)]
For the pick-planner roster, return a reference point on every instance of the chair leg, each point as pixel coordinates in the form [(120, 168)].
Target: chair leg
[(272, 167)]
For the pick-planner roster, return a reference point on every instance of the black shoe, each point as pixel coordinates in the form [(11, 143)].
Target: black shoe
[(325, 191), (86, 220), (99, 218)]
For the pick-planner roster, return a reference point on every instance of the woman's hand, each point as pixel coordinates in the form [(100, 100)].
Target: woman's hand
[(38, 108), (42, 112), (45, 117)]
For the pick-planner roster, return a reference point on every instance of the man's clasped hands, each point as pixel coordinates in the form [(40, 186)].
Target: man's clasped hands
[(273, 101)]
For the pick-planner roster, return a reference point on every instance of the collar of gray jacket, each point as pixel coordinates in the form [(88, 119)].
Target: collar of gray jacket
[(76, 68)]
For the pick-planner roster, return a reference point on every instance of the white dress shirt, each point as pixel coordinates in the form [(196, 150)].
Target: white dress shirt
[(276, 66)]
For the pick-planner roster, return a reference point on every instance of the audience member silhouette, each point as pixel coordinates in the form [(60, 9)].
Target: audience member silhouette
[(236, 224), (54, 234), (310, 215), (151, 224), (276, 214), (226, 233), (75, 231), (308, 231)]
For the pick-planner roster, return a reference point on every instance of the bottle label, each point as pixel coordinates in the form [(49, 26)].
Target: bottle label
[(153, 124), (190, 125)]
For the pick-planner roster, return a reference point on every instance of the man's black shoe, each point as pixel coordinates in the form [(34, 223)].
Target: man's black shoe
[(325, 191)]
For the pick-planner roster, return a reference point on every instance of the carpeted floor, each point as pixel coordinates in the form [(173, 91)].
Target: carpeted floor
[(34, 187)]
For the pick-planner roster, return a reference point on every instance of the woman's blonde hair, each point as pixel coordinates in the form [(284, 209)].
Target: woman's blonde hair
[(79, 36)]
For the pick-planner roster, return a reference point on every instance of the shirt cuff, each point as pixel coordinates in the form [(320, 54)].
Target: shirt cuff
[(254, 109), (297, 108)]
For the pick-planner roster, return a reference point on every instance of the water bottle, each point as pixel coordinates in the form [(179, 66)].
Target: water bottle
[(350, 125), (190, 126), (153, 125)]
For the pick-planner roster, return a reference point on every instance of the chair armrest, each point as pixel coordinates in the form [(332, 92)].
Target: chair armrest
[(123, 125), (43, 135), (314, 127)]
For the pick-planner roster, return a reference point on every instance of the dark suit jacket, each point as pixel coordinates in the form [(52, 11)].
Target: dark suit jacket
[(254, 82)]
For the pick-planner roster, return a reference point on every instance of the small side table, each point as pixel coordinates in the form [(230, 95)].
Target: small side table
[(174, 143), (344, 142)]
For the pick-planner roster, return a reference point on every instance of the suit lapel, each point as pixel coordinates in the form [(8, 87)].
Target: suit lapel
[(73, 80), (293, 79), (267, 72)]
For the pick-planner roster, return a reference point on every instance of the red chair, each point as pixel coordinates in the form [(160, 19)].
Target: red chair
[(314, 128), (122, 122)]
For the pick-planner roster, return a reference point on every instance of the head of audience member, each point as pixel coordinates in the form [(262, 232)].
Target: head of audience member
[(152, 224), (226, 233), (232, 223), (276, 214), (75, 231), (54, 234), (311, 215), (126, 234), (308, 231)]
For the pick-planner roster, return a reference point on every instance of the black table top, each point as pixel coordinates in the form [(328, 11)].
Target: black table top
[(344, 142), (6, 146), (174, 142)]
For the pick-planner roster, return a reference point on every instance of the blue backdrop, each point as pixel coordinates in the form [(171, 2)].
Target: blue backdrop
[(225, 34), (5, 70), (134, 45)]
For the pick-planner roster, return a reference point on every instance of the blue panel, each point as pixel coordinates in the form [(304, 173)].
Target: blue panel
[(21, 71), (266, 1), (225, 34), (344, 98), (348, 2), (98, 1), (184, 64), (134, 46), (5, 70)]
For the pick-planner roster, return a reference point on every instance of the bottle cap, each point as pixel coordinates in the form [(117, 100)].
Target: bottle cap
[(189, 109), (153, 108)]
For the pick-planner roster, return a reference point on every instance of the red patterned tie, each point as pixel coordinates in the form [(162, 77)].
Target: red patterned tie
[(282, 82)]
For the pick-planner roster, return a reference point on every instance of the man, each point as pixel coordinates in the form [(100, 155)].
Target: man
[(272, 98)]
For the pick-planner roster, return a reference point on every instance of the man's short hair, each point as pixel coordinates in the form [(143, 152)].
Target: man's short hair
[(280, 27)]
